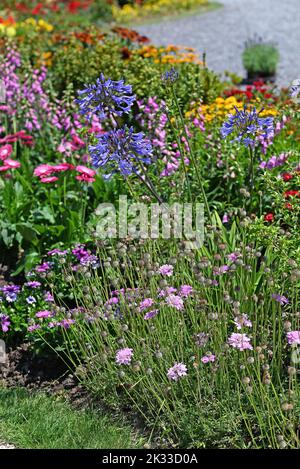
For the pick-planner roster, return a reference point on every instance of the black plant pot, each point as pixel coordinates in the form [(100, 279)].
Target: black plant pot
[(252, 77)]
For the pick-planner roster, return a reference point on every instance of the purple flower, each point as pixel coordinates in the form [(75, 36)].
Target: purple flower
[(66, 323), (124, 356), (33, 284), (175, 301), (57, 252), (242, 321), (208, 358), (280, 299), (151, 314), (121, 150), (179, 370), (225, 218), (4, 322), (43, 267), (274, 161), (105, 97), (186, 290), (170, 76), (10, 289), (34, 327), (146, 303), (44, 314), (48, 297), (11, 297), (167, 291), (240, 341), (293, 337), (31, 300), (248, 126), (166, 270)]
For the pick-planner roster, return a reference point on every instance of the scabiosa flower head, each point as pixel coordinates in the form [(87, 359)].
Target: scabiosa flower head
[(242, 321), (280, 299), (208, 358), (175, 301), (293, 337), (124, 356), (240, 341), (34, 327), (146, 303), (4, 322), (186, 290), (105, 97), (248, 126), (151, 314), (166, 270), (44, 314), (179, 370), (121, 150)]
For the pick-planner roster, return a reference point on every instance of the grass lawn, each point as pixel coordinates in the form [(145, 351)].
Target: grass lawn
[(36, 420)]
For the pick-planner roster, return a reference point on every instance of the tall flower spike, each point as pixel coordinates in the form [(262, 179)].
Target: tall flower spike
[(105, 97), (248, 126), (121, 150)]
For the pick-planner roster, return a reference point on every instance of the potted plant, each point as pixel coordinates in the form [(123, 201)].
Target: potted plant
[(260, 60)]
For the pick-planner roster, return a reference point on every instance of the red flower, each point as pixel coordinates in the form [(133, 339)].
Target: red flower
[(289, 194), (269, 217), (289, 206), (287, 176)]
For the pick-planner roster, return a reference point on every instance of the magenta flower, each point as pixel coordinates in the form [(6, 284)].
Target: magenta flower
[(44, 314), (242, 321), (5, 152), (179, 370), (166, 270), (124, 356), (151, 314), (280, 299), (186, 290), (240, 341), (208, 358), (293, 337), (146, 303), (175, 301)]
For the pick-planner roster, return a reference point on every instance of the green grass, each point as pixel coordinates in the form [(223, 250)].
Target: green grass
[(38, 421)]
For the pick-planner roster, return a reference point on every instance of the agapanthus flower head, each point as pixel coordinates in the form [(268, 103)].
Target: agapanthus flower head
[(170, 76), (179, 370), (240, 341), (105, 97), (124, 356), (293, 337), (121, 150), (247, 126)]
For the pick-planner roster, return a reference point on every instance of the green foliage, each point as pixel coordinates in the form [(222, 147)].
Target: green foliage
[(260, 59)]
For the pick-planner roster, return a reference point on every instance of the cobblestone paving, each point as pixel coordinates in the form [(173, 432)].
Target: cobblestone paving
[(221, 33)]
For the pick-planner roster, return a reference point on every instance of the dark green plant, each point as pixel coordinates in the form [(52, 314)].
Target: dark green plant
[(260, 58)]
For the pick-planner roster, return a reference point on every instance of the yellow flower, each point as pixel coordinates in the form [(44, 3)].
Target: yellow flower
[(11, 31)]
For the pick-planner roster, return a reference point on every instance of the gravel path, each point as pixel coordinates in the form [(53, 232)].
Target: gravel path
[(221, 33)]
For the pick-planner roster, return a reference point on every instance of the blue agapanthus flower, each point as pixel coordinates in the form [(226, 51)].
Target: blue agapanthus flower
[(170, 75), (121, 150), (248, 126), (105, 97)]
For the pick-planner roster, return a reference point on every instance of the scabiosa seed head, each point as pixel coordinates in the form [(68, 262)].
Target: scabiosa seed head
[(105, 97)]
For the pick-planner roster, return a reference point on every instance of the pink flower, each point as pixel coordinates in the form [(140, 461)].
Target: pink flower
[(166, 270), (151, 314), (85, 178), (175, 301), (124, 356), (240, 341), (146, 303), (44, 314), (4, 168), (85, 171), (186, 290), (242, 321), (62, 167), (48, 180), (43, 170), (12, 163), (208, 358), (293, 337), (5, 152), (179, 370)]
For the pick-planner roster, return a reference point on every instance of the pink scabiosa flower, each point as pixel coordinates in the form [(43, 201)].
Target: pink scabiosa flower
[(43, 170), (242, 321), (44, 314), (12, 164), (186, 290), (124, 356), (62, 167), (5, 152), (240, 341), (166, 270), (176, 372), (175, 301), (293, 337), (208, 358), (146, 303)]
